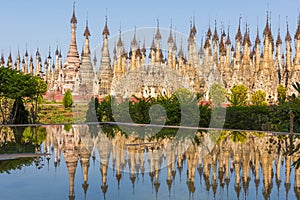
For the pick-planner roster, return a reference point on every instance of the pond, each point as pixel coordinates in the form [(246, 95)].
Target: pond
[(109, 162)]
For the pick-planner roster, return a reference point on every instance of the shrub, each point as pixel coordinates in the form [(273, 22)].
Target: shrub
[(281, 94), (68, 99), (258, 98), (239, 95)]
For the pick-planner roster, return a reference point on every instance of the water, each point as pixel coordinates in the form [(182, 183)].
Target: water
[(103, 163)]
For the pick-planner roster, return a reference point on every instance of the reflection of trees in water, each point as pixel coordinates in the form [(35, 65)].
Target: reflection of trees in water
[(18, 140)]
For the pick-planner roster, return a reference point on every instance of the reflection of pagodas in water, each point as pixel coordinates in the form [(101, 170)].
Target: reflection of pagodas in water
[(86, 147), (71, 155), (192, 158), (104, 149), (119, 155), (170, 159), (257, 154)]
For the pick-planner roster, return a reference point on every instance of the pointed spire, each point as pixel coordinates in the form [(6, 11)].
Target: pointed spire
[(208, 34), (134, 42), (60, 56), (223, 31), (105, 30), (201, 47), (73, 19), (10, 56), (191, 30), (157, 35), (207, 43), (26, 52), (215, 36), (56, 51), (257, 40), (152, 44), (170, 39), (49, 56), (247, 36), (87, 31), (278, 41), (228, 42), (37, 52), (288, 37), (194, 30), (174, 44), (120, 43), (267, 28), (239, 36)]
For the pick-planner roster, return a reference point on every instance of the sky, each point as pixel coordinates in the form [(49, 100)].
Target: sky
[(40, 24)]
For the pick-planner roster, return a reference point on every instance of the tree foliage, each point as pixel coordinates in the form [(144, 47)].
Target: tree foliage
[(281, 94), (258, 98), (16, 86), (26, 141), (68, 99), (238, 95)]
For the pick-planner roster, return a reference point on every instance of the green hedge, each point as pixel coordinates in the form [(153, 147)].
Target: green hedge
[(265, 118)]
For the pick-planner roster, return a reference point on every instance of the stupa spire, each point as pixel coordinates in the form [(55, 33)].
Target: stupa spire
[(87, 33), (105, 31), (73, 55)]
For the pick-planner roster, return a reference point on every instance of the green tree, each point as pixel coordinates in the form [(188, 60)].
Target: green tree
[(104, 110), (40, 88), (217, 94), (238, 95), (16, 86), (68, 99), (281, 94), (258, 98)]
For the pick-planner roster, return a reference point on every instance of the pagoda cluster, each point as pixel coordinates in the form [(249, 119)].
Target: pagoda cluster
[(259, 64)]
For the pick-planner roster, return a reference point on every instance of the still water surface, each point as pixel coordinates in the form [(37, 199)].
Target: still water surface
[(104, 163)]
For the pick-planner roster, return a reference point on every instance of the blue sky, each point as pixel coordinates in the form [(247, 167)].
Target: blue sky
[(46, 23)]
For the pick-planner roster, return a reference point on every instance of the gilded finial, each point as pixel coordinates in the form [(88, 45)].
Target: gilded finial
[(73, 19), (288, 36), (170, 39), (87, 32), (49, 57), (157, 35), (105, 30)]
